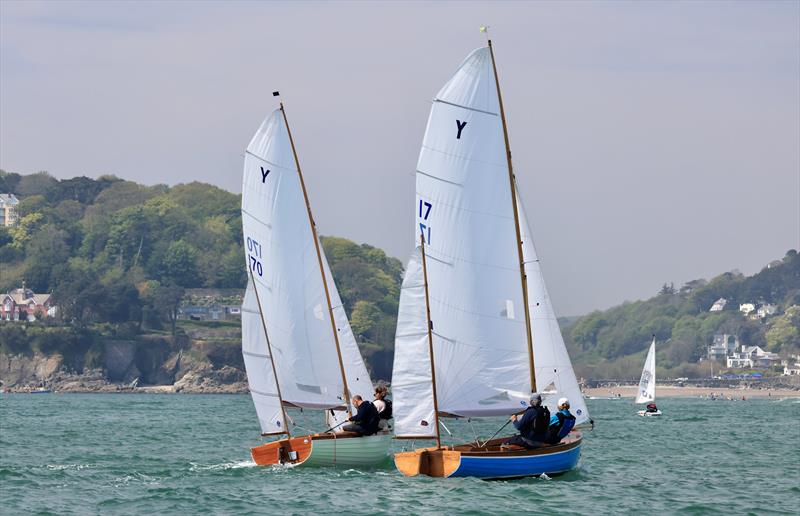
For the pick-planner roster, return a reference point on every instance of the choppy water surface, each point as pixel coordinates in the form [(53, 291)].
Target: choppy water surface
[(173, 454)]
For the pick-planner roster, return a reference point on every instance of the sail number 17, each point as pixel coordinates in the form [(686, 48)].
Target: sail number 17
[(254, 250)]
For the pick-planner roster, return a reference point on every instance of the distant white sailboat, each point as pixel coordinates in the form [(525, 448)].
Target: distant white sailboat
[(297, 343), (647, 384)]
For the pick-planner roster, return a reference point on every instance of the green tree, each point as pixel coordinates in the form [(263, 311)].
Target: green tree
[(180, 264)]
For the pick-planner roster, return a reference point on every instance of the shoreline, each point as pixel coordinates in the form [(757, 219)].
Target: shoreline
[(669, 391), (623, 392)]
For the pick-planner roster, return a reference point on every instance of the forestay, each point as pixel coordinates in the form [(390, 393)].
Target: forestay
[(555, 377), (647, 383), (280, 253), (464, 212), (260, 376), (411, 376)]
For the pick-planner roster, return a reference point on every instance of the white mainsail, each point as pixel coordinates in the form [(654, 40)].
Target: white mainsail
[(555, 377), (411, 376), (281, 254), (647, 383), (464, 211), (260, 377)]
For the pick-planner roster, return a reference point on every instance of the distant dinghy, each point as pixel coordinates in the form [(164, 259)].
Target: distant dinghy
[(647, 384), (299, 350), (476, 331)]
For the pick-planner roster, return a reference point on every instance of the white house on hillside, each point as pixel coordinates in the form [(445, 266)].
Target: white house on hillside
[(765, 310), (746, 308), (722, 346), (718, 305)]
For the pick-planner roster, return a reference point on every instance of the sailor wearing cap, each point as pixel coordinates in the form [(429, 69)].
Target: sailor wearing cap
[(561, 423)]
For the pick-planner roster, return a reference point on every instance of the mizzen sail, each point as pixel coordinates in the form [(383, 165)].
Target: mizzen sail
[(260, 377), (411, 376)]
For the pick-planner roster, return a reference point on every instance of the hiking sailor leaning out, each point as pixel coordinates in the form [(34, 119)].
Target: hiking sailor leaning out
[(561, 423), (383, 406)]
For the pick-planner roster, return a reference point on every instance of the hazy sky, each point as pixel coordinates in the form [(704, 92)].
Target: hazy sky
[(652, 141)]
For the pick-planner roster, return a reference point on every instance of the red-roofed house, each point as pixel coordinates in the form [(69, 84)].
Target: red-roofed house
[(22, 304)]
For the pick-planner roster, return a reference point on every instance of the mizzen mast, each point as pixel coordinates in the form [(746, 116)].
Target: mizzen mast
[(271, 358), (430, 341)]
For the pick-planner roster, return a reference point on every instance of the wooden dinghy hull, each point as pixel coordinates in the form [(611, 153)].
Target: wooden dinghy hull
[(490, 462), (324, 450)]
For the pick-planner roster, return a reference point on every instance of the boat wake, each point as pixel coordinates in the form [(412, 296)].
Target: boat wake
[(223, 466)]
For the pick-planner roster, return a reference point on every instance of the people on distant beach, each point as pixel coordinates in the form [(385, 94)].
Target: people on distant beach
[(532, 425), (365, 421), (561, 423), (651, 407), (383, 405)]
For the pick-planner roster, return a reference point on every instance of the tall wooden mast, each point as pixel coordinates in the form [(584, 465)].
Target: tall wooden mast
[(271, 359), (430, 341), (321, 268), (513, 188)]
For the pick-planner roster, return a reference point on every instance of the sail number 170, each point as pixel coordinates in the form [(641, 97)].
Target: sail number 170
[(254, 255)]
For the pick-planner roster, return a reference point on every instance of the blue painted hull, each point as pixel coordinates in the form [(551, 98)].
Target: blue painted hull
[(518, 466)]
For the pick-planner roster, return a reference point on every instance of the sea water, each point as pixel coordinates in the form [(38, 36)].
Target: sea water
[(186, 454)]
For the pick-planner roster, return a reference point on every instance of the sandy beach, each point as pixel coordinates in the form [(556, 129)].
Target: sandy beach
[(627, 391)]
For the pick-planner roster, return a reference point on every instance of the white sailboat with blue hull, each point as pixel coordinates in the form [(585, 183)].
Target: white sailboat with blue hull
[(476, 331)]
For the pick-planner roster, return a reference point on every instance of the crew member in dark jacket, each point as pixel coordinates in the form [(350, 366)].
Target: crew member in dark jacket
[(365, 421), (532, 425)]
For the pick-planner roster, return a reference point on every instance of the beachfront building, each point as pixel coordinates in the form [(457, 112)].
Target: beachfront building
[(753, 357), (22, 304), (719, 305), (8, 209), (722, 346), (791, 366)]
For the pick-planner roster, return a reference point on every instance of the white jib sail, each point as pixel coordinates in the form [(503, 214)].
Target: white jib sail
[(257, 363), (280, 252), (647, 383), (555, 377), (411, 375), (464, 211), (358, 379)]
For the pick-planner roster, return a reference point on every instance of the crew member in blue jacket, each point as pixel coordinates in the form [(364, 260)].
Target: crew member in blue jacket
[(532, 425), (561, 423), (366, 420)]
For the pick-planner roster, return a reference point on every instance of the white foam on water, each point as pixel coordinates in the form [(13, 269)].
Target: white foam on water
[(66, 467), (544, 476), (223, 466)]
